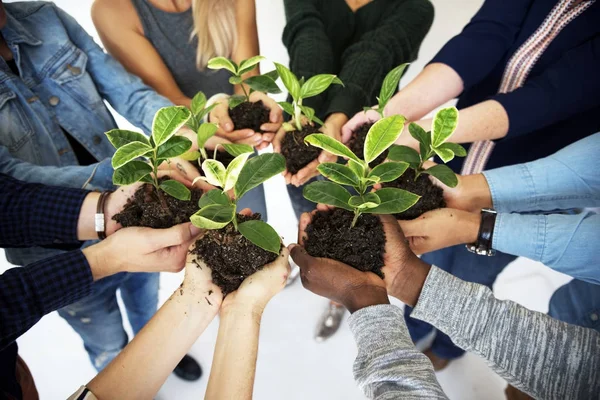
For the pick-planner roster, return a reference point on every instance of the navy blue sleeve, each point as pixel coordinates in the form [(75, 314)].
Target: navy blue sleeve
[(28, 293), (33, 214), (566, 88), (478, 49)]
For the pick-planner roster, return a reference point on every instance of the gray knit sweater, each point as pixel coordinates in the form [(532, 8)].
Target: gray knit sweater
[(539, 355)]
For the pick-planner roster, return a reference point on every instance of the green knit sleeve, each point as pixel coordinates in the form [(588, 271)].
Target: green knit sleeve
[(307, 43), (365, 63)]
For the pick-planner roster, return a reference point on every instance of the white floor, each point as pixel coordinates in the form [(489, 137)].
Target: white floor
[(291, 365)]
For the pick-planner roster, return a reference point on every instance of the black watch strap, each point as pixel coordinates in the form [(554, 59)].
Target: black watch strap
[(483, 246)]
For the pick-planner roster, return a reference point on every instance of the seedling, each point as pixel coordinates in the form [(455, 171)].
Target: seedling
[(300, 90), (262, 83), (217, 209), (162, 146), (432, 143), (388, 88), (357, 174)]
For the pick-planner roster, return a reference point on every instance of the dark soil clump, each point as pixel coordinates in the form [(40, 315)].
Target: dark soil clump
[(230, 256), (357, 144), (297, 153), (329, 235), (432, 196), (145, 209), (249, 116)]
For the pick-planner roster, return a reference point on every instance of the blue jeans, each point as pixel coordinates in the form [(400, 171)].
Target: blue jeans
[(577, 303), (255, 200), (97, 318)]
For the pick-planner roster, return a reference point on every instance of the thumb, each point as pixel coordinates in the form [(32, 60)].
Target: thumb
[(300, 256), (179, 234), (349, 128), (412, 227)]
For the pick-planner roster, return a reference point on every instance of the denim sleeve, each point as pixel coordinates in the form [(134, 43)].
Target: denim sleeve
[(388, 366), (567, 179), (128, 95), (539, 355), (92, 177), (566, 243)]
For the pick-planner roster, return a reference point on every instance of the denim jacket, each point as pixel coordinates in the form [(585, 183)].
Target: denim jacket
[(64, 79), (569, 243)]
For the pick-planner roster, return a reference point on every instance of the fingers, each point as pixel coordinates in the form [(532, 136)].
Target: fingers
[(326, 157), (161, 238), (305, 219), (201, 184), (350, 126), (175, 257), (246, 211), (215, 141), (270, 127), (220, 115), (300, 256), (277, 140), (253, 139), (306, 173)]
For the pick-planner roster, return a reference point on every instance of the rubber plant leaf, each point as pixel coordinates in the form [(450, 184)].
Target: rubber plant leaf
[(261, 234), (393, 201), (329, 193), (257, 170), (167, 122), (382, 135), (176, 189)]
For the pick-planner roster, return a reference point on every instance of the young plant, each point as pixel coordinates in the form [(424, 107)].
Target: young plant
[(357, 174), (300, 90), (217, 209), (262, 83), (388, 88), (162, 146), (432, 143)]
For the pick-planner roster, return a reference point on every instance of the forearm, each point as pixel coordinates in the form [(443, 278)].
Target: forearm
[(434, 86), (388, 365), (144, 365), (508, 336), (234, 361)]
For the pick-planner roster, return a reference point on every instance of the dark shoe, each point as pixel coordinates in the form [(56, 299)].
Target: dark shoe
[(330, 322), (188, 369), (512, 393), (439, 363)]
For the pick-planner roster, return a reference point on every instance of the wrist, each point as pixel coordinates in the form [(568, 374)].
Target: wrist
[(368, 296), (99, 265), (86, 224), (476, 191), (469, 227), (409, 281), (242, 309)]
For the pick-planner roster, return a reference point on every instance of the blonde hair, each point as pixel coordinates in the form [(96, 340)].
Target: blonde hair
[(215, 29)]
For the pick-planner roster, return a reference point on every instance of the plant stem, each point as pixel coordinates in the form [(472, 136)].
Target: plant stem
[(235, 223), (161, 198), (245, 92), (298, 115), (355, 220)]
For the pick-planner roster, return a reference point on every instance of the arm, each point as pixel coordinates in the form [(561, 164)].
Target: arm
[(122, 34), (125, 92), (365, 63), (247, 37)]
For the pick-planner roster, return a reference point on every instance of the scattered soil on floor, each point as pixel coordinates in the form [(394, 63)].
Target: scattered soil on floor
[(249, 116), (297, 153), (145, 209), (329, 235), (432, 196), (230, 256), (357, 144)]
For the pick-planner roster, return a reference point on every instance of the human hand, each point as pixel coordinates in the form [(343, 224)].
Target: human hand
[(220, 116), (198, 281), (335, 280), (141, 250), (441, 228), (359, 119), (270, 128)]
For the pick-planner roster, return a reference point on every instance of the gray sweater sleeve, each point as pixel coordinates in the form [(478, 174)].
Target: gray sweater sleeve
[(544, 357), (388, 366)]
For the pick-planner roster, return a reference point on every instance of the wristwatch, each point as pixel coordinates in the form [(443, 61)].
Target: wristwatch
[(483, 245)]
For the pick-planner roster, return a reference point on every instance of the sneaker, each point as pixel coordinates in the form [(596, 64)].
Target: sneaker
[(188, 369), (330, 321)]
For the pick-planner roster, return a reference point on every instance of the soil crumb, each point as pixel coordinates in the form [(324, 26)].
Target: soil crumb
[(432, 196), (249, 116), (297, 153)]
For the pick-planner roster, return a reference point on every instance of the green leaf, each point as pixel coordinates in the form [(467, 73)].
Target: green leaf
[(289, 81), (222, 63), (235, 149), (419, 134), (233, 170), (404, 153), (129, 152), (390, 84), (131, 173), (331, 145), (257, 170), (388, 171), (167, 122), (198, 103), (272, 74), (263, 83), (236, 100), (444, 174), (308, 112), (328, 193), (121, 137), (445, 154), (206, 111), (191, 155), (174, 147), (317, 120), (205, 132), (235, 80), (214, 216), (214, 172), (176, 189), (358, 167), (318, 84), (394, 201), (213, 197), (287, 107), (445, 122), (457, 149), (249, 64), (367, 200), (261, 234), (382, 135), (339, 174)]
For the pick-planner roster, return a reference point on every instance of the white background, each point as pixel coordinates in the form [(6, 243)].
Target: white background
[(291, 365)]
